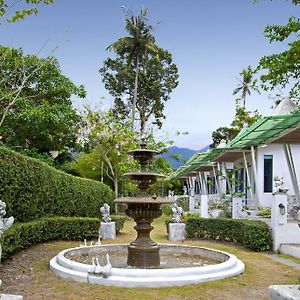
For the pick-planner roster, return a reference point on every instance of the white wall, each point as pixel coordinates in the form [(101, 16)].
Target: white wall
[(280, 168)]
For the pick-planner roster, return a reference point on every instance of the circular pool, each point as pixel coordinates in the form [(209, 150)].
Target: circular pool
[(180, 265)]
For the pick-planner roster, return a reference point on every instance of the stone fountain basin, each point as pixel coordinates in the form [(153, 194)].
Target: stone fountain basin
[(227, 266)]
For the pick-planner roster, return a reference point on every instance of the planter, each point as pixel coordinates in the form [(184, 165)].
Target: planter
[(215, 212)]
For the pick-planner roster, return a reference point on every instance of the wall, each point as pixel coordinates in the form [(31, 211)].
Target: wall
[(280, 168)]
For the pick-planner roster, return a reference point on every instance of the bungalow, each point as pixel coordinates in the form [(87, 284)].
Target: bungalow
[(247, 165)]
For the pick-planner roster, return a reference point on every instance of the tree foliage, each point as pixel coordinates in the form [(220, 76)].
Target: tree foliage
[(142, 75), (282, 69), (247, 85), (35, 103), (11, 15), (242, 118), (106, 142), (137, 45)]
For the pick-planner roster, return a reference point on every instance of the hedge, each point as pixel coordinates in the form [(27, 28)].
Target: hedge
[(252, 234), (31, 190), (23, 235)]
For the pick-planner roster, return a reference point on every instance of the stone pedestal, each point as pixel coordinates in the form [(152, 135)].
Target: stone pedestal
[(176, 232), (108, 230), (204, 206), (280, 233), (192, 204), (237, 204), (10, 297), (284, 292)]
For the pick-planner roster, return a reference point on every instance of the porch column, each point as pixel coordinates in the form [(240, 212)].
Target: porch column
[(216, 181), (192, 195), (292, 170), (248, 177), (227, 178), (203, 197), (254, 166)]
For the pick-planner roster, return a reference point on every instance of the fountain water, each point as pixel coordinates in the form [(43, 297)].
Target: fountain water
[(143, 268)]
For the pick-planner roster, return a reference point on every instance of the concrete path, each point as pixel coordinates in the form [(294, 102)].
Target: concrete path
[(284, 261)]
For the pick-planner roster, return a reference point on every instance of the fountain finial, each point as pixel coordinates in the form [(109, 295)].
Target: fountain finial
[(143, 143)]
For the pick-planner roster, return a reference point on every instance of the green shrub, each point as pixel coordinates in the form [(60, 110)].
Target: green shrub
[(264, 212), (120, 220), (184, 203), (32, 190), (23, 235), (252, 234), (166, 209), (167, 222)]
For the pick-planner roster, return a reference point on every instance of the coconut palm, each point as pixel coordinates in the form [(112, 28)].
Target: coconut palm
[(246, 85), (137, 45)]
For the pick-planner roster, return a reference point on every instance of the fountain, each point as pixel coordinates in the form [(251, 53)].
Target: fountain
[(144, 263), (143, 252)]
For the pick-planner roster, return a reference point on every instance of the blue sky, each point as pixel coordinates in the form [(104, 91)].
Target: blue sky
[(210, 40)]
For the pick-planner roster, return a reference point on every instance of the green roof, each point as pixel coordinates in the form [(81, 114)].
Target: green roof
[(265, 129), (262, 131), (196, 161)]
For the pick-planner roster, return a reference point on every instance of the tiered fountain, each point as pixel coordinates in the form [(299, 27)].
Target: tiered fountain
[(143, 252), (143, 263)]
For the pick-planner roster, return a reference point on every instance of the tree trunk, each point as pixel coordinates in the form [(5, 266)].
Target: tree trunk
[(116, 186), (136, 80), (143, 123)]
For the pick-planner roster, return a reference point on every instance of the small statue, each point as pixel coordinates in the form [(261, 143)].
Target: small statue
[(177, 213), (96, 268), (105, 211), (278, 182), (5, 223), (184, 190)]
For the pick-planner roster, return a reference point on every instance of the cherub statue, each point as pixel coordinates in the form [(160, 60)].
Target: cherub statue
[(5, 223), (177, 213), (279, 182), (105, 211)]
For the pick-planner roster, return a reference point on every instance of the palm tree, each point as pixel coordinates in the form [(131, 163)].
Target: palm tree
[(137, 45), (246, 85)]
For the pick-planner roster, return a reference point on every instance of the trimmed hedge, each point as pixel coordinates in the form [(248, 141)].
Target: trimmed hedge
[(24, 235), (31, 190), (252, 234)]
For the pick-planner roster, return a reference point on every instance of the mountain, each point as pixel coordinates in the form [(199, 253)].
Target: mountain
[(185, 154)]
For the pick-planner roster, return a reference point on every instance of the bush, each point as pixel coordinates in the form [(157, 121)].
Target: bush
[(252, 234), (167, 222), (184, 203), (120, 220), (32, 190), (23, 235), (167, 209)]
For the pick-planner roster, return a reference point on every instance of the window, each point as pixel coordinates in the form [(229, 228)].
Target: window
[(268, 173), (211, 185), (239, 180)]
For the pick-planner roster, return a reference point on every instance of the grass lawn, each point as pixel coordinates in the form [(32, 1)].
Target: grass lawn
[(27, 273)]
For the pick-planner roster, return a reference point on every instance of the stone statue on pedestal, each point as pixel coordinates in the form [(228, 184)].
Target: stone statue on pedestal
[(177, 213), (279, 185), (105, 211), (5, 223)]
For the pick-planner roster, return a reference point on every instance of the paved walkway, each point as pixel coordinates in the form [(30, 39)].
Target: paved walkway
[(284, 261)]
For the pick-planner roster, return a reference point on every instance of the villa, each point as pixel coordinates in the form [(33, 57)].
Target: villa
[(245, 167)]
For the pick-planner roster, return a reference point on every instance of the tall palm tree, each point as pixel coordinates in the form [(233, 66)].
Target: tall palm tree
[(137, 45), (246, 85)]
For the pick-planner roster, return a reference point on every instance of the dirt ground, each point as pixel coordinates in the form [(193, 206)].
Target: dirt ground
[(27, 273)]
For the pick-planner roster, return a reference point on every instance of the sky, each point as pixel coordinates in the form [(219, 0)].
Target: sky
[(211, 42)]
